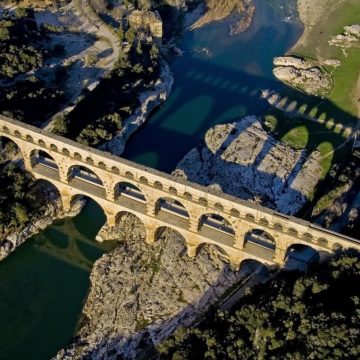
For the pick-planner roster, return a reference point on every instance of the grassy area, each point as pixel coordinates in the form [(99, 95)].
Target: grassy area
[(316, 46), (301, 133)]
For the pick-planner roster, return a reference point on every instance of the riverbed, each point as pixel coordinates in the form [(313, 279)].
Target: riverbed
[(219, 79)]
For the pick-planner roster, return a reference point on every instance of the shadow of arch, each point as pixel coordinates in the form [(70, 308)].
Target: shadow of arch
[(216, 228), (250, 265), (172, 212), (44, 163), (129, 226), (84, 179), (299, 256), (130, 196), (259, 243)]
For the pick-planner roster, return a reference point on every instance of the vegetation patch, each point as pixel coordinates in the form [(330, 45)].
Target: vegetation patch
[(293, 316)]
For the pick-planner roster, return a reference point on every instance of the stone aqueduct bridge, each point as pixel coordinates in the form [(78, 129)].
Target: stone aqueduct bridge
[(241, 229)]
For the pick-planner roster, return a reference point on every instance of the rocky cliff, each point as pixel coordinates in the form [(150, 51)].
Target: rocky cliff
[(53, 211), (141, 293)]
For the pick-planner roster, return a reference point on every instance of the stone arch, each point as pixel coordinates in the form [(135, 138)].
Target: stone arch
[(143, 180), (203, 201), (79, 199), (129, 226), (53, 147), (209, 247), (17, 133), (89, 160), (29, 138), (65, 151), (102, 165), (77, 156), (130, 196), (187, 195), (299, 256), (83, 178), (216, 228), (46, 189), (249, 266), (42, 162), (115, 170), (260, 243), (158, 185), (172, 211), (11, 147), (42, 143), (129, 175), (235, 213)]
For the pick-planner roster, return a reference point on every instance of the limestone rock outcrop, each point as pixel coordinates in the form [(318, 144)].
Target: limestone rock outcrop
[(302, 74), (248, 163), (147, 20), (141, 293)]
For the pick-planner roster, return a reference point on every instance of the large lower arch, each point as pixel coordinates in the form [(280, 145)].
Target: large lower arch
[(216, 228), (9, 149), (130, 196), (172, 212), (128, 226), (44, 164), (82, 178), (259, 243), (95, 218), (299, 256)]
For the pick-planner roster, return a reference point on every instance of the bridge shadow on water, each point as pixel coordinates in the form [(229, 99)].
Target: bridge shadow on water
[(48, 278), (207, 94)]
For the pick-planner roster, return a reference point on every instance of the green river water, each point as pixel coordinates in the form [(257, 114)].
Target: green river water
[(44, 283)]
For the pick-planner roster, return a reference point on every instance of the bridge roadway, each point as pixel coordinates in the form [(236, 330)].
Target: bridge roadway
[(241, 229)]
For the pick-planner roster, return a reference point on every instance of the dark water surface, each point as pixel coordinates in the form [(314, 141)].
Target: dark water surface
[(43, 283), (218, 80)]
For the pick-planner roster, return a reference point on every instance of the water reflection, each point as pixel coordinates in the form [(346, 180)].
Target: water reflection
[(43, 286)]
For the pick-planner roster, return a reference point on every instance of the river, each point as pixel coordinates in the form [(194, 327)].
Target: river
[(44, 283)]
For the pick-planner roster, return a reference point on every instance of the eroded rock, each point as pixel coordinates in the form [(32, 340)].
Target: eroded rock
[(248, 163), (302, 74), (141, 293)]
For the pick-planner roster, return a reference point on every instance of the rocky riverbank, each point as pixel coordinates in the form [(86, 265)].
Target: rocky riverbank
[(242, 12), (149, 100), (141, 293), (53, 211), (241, 159)]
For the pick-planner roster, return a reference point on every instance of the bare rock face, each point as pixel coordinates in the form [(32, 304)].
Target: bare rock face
[(141, 293), (303, 74), (248, 163), (349, 38), (148, 20)]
